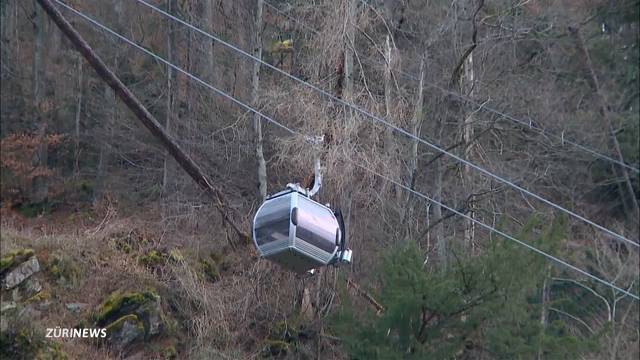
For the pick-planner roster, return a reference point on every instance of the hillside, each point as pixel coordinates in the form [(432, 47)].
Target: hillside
[(484, 154)]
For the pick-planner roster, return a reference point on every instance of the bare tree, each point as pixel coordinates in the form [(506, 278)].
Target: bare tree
[(40, 189), (257, 121), (170, 113)]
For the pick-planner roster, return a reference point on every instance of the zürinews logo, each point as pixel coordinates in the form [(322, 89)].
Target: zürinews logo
[(59, 332)]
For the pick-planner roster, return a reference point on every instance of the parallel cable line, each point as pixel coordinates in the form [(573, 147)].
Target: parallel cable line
[(395, 128), (525, 124), (296, 132), (499, 232)]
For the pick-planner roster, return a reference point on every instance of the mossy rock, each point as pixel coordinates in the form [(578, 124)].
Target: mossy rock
[(144, 305), (117, 305), (28, 291), (117, 325), (125, 331), (14, 258)]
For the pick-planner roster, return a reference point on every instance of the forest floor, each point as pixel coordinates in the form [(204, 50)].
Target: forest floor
[(90, 259)]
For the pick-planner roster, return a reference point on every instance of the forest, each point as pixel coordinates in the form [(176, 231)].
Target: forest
[(485, 156)]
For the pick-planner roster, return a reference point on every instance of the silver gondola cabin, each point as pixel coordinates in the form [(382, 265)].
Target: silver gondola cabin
[(299, 233)]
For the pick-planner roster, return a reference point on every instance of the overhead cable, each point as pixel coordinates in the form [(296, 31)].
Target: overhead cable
[(296, 132), (525, 124), (390, 125)]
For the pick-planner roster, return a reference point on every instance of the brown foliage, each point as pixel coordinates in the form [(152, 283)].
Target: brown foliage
[(18, 161)]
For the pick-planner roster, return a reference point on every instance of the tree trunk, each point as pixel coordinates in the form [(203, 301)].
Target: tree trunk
[(544, 311), (606, 113), (437, 210), (209, 43), (416, 125), (142, 114), (166, 176), (39, 186), (348, 95), (257, 121), (440, 240), (388, 85), (190, 65), (467, 136), (111, 112), (349, 39), (79, 90), (9, 26)]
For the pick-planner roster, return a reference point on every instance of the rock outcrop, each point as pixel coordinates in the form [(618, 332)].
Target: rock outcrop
[(17, 266), (130, 317)]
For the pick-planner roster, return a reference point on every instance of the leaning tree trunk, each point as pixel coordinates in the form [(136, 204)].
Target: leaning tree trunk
[(605, 111), (145, 117)]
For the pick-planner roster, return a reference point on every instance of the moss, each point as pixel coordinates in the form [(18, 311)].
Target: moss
[(285, 331), (121, 337), (283, 338), (215, 257), (128, 241), (275, 347), (40, 296), (169, 353), (124, 247), (14, 258), (156, 258), (117, 325), (118, 305), (21, 340), (175, 255), (171, 326), (210, 269), (52, 352), (213, 266), (152, 259), (63, 269)]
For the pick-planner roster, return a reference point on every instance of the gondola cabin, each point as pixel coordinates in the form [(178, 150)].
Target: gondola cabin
[(299, 233)]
